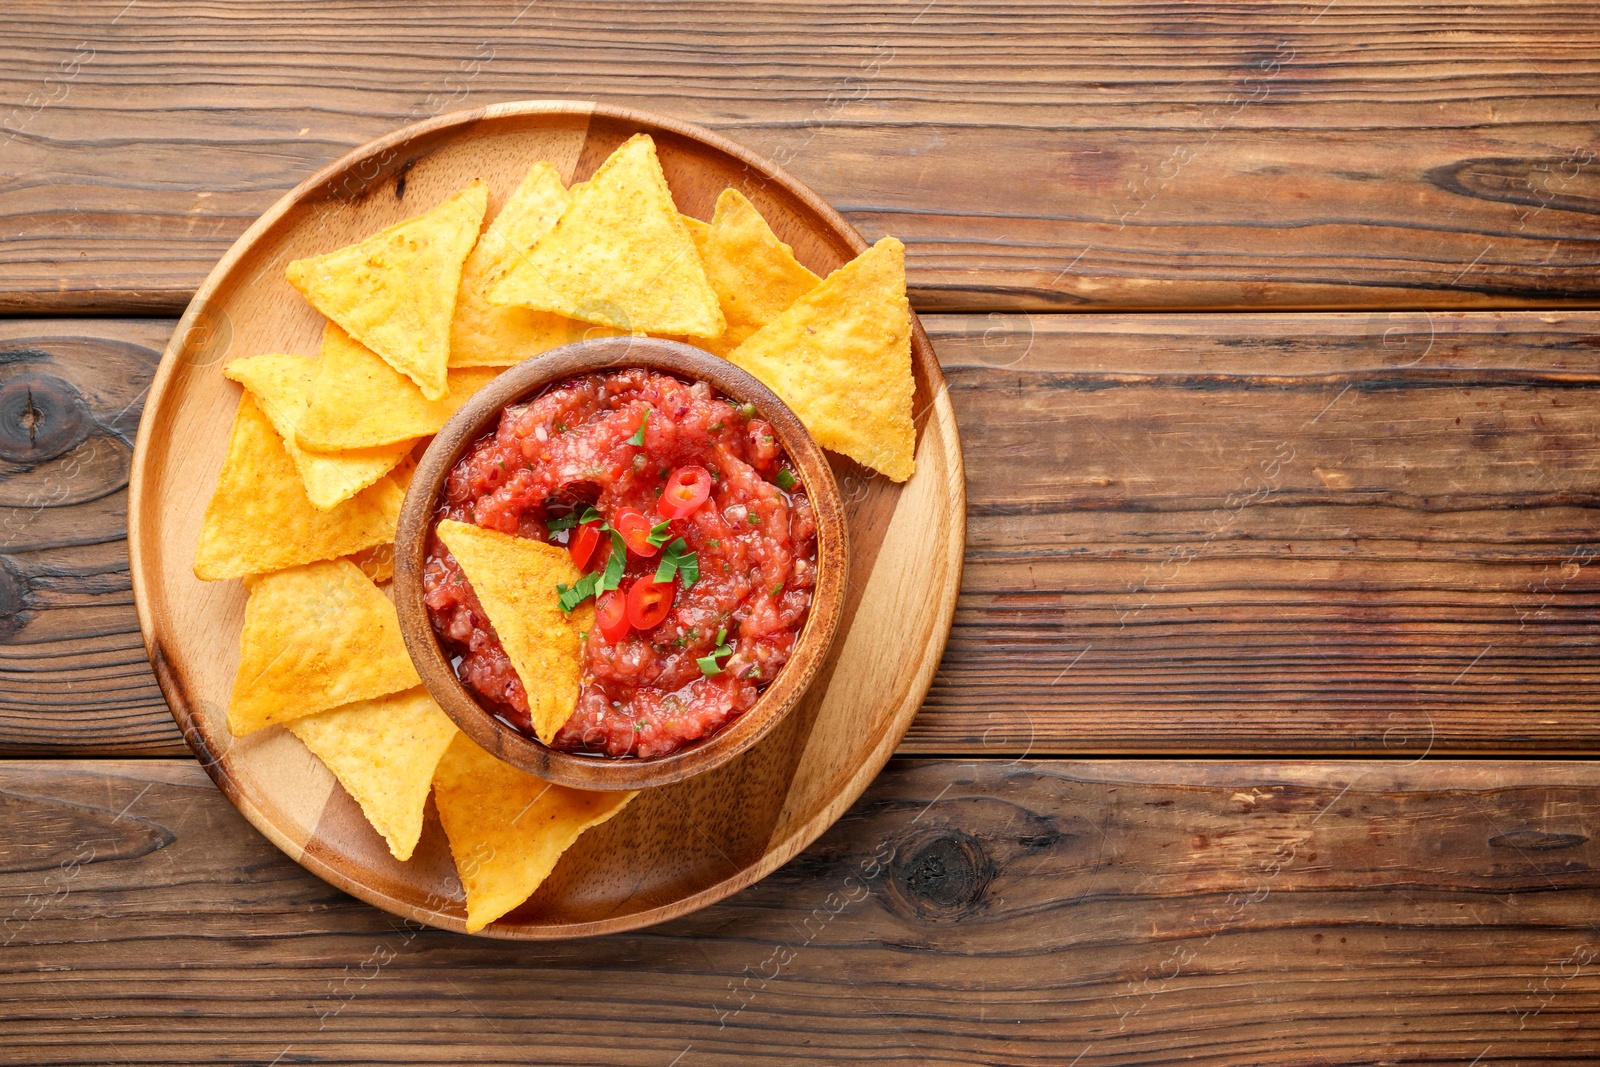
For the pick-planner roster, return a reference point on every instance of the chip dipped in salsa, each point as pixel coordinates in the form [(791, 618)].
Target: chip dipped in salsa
[(692, 531)]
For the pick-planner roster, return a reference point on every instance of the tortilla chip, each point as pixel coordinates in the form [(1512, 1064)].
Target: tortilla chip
[(377, 562), (281, 385), (840, 357), (515, 580), (315, 637), (620, 256), (260, 518), (395, 292), (359, 401), (755, 275), (698, 232), (383, 752), (507, 828), (484, 335)]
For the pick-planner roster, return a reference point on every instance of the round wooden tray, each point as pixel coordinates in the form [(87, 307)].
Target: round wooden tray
[(674, 849)]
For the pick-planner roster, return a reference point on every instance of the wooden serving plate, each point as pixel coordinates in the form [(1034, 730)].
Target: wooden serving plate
[(676, 848)]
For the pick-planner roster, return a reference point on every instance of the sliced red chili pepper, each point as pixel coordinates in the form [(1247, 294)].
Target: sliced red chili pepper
[(635, 530), (648, 603), (584, 539), (611, 615), (686, 489)]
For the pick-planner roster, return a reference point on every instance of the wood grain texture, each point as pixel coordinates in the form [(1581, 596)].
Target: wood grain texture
[(1115, 155), (1338, 914), (1276, 533), (1435, 587)]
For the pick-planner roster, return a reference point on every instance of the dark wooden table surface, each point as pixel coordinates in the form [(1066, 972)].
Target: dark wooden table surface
[(1265, 730)]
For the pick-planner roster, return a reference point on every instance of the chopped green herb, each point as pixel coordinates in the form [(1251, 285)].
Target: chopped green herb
[(713, 543), (755, 520), (561, 427), (638, 727), (565, 522), (777, 591), (747, 410), (659, 534), (677, 559), (570, 597), (785, 480), (638, 435), (708, 664), (619, 557), (716, 426)]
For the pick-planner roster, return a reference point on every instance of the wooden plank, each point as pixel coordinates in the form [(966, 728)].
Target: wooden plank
[(1274, 533), (1115, 155), (1230, 533), (1345, 913)]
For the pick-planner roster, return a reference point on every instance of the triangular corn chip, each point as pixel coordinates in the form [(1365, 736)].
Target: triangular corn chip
[(755, 275), (260, 518), (507, 828), (484, 335), (840, 357), (359, 401), (383, 752), (620, 256), (377, 562), (395, 292), (515, 581), (281, 385), (315, 637)]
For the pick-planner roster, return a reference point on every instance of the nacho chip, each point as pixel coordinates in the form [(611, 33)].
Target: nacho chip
[(315, 637), (260, 518), (484, 335), (755, 275), (620, 256), (515, 580), (377, 562), (840, 357), (507, 828), (383, 752), (359, 401), (281, 385), (395, 292)]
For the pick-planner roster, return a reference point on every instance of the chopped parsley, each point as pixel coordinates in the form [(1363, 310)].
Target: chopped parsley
[(619, 556), (677, 559), (708, 664), (785, 480), (659, 533), (638, 435), (567, 522), (571, 596)]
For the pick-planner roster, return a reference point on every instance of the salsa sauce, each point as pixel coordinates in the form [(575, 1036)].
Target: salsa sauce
[(654, 688)]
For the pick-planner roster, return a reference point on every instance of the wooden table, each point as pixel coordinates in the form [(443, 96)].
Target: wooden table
[(1264, 731)]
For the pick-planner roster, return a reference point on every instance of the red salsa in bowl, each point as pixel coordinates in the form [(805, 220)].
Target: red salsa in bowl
[(695, 536)]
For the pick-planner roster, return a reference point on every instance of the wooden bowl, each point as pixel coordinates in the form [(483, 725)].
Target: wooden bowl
[(479, 416)]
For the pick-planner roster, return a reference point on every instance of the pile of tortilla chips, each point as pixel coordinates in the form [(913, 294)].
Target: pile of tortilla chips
[(419, 317)]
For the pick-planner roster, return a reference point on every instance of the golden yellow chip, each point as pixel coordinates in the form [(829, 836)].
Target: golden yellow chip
[(383, 752), (395, 292), (359, 401), (515, 580), (484, 335), (260, 518), (620, 256), (698, 232), (281, 385), (840, 357), (315, 637), (377, 562), (507, 828), (755, 275)]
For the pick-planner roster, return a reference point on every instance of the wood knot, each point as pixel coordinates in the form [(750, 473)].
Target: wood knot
[(940, 875), (41, 417), (1536, 840)]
